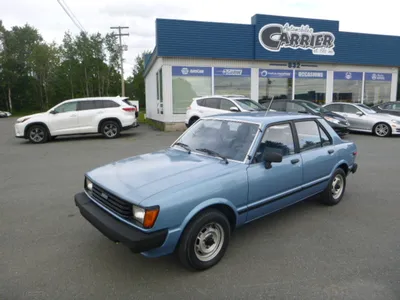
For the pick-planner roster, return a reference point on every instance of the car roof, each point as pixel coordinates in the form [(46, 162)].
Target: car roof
[(262, 117), (351, 103), (117, 98)]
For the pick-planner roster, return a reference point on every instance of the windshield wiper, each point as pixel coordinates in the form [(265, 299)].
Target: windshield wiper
[(184, 146), (213, 153)]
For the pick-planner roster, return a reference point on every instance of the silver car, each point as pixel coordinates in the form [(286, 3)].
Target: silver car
[(364, 119)]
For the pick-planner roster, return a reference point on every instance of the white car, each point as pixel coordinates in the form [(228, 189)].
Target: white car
[(219, 104), (106, 115), (4, 114)]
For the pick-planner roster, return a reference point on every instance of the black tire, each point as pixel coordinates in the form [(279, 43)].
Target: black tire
[(333, 196), (192, 121), (38, 134), (187, 254), (382, 129), (110, 129)]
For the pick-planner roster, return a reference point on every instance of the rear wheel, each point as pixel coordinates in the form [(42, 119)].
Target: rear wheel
[(38, 134), (205, 240), (110, 129), (334, 192), (382, 130)]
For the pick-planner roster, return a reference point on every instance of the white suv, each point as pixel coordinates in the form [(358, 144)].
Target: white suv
[(105, 115), (219, 104)]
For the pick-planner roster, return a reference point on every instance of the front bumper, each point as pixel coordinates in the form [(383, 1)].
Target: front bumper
[(339, 128), (117, 231), (19, 130)]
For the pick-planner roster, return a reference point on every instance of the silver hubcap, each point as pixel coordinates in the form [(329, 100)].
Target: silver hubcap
[(382, 129), (209, 242), (110, 130), (337, 186), (37, 134)]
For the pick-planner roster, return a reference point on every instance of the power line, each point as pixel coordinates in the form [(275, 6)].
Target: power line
[(76, 19), (71, 15), (121, 49)]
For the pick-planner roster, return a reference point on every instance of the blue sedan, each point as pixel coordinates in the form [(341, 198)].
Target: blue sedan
[(223, 172)]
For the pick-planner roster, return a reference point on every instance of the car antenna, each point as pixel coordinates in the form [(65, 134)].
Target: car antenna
[(269, 106)]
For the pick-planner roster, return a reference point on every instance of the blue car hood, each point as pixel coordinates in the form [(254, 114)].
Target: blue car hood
[(140, 177)]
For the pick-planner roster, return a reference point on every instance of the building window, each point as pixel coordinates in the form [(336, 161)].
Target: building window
[(159, 80), (310, 85), (189, 83), (275, 83), (377, 88), (232, 81), (347, 87)]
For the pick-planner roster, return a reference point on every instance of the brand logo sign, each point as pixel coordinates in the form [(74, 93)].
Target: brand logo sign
[(104, 196), (271, 73), (191, 71), (311, 74), (347, 75), (274, 37), (235, 72), (378, 76)]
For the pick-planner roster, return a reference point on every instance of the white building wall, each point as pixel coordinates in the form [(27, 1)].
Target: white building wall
[(167, 63), (151, 91)]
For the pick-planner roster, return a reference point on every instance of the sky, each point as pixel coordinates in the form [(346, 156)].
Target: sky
[(377, 17)]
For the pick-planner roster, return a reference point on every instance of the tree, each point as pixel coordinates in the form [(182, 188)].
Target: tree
[(35, 75), (137, 81)]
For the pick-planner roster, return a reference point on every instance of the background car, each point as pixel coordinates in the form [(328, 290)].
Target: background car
[(391, 108), (106, 115), (223, 172), (4, 114), (364, 119), (218, 104), (336, 121)]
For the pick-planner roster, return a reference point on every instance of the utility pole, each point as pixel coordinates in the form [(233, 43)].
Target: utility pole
[(121, 49)]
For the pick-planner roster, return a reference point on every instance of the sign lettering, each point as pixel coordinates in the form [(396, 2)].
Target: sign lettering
[(274, 37)]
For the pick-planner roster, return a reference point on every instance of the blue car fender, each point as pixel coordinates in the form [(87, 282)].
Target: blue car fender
[(174, 234), (205, 204)]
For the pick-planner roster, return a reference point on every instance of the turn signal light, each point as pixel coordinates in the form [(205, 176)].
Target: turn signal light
[(355, 153), (150, 218)]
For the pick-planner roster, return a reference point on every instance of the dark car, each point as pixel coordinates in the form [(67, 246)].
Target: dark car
[(336, 121), (391, 108)]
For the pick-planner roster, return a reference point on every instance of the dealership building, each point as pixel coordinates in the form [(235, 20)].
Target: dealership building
[(274, 56)]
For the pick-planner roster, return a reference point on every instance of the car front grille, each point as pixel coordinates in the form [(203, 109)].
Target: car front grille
[(118, 206)]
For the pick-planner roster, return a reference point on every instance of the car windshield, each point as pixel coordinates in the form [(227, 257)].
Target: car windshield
[(314, 107), (366, 109), (249, 104), (223, 138)]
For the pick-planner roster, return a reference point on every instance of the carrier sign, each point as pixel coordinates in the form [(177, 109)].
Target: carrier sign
[(274, 37)]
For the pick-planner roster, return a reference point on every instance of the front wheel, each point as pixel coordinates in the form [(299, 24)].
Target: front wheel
[(334, 192), (205, 240), (38, 134), (382, 130), (110, 129)]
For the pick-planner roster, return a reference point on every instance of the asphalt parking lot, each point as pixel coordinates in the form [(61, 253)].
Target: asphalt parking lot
[(48, 251)]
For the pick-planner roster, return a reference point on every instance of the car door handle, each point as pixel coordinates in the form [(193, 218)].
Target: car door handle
[(295, 161), (72, 116), (330, 151)]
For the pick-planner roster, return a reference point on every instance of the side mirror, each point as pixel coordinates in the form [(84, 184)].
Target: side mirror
[(53, 112), (359, 113), (271, 157), (234, 109)]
